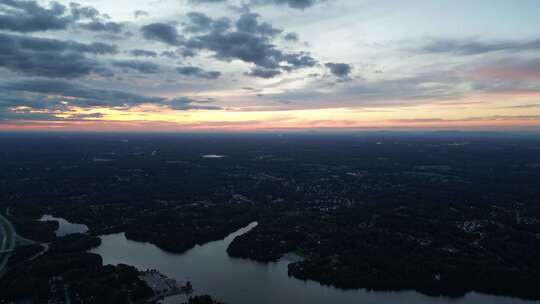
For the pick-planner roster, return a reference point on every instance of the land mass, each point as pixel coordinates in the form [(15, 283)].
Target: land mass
[(443, 215)]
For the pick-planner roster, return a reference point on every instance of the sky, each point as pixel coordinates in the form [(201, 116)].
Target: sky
[(269, 65)]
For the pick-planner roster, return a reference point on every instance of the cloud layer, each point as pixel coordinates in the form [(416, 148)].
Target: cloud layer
[(267, 63)]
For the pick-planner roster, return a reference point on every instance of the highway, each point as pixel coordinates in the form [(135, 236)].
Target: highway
[(7, 244), (8, 240)]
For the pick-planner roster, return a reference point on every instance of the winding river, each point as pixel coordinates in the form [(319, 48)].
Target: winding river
[(240, 281)]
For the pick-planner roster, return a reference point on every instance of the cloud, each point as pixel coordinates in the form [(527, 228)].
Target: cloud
[(465, 47), (296, 4), (143, 53), (7, 115), (197, 72), (140, 13), (11, 43), (79, 12), (98, 26), (250, 41), (85, 116), (263, 73), (187, 103), (509, 75), (525, 106), (291, 37), (467, 119), (502, 86), (510, 69), (341, 70), (249, 23), (199, 22), (26, 98), (51, 57), (76, 93), (419, 89), (30, 16), (206, 1), (162, 32), (239, 45), (140, 66)]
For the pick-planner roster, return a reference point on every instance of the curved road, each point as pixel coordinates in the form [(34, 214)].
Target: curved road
[(7, 244), (8, 240)]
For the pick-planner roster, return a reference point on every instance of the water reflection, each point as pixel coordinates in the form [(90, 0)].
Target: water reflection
[(239, 281), (212, 156)]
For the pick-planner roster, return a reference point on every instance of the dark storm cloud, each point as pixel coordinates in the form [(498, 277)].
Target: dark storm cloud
[(250, 41), (137, 65), (162, 32), (30, 16), (461, 47), (197, 72), (50, 57), (143, 53), (341, 70)]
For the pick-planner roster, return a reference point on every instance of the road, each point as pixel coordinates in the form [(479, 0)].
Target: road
[(42, 252), (8, 241)]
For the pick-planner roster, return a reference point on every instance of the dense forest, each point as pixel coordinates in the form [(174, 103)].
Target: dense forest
[(442, 214)]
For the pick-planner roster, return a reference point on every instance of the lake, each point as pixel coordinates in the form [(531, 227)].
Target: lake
[(241, 281), (65, 227)]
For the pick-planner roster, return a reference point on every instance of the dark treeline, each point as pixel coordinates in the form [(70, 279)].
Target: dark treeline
[(67, 270)]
